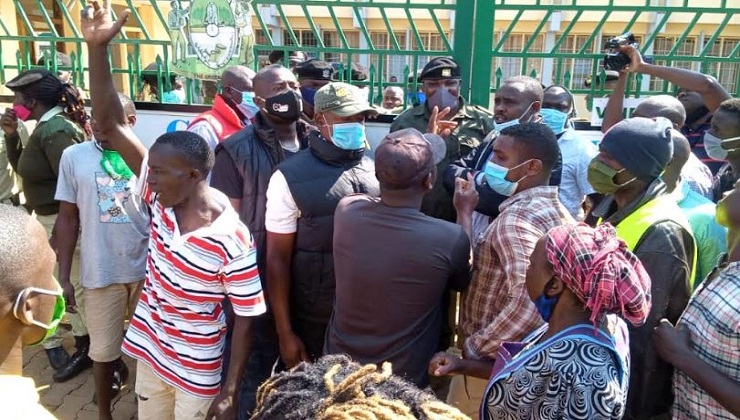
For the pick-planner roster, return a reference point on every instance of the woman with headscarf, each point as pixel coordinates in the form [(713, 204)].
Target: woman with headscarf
[(61, 121), (577, 364)]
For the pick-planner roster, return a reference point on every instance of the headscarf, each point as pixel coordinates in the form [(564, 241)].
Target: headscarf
[(599, 269)]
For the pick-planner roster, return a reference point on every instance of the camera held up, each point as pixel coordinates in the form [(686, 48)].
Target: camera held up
[(616, 60)]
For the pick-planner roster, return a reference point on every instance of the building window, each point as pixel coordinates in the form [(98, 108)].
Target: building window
[(726, 71), (393, 64), (578, 69), (432, 41), (663, 46), (333, 40), (305, 38), (515, 66), (260, 39)]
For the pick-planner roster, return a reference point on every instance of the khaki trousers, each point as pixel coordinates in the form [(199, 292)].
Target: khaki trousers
[(77, 319)]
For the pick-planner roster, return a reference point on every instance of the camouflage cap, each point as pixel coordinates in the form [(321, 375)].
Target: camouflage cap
[(341, 99)]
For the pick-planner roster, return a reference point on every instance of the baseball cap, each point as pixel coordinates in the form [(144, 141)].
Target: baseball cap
[(314, 69), (440, 68), (404, 156), (341, 99)]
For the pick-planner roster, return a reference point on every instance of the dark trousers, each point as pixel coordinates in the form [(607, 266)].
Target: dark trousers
[(263, 354)]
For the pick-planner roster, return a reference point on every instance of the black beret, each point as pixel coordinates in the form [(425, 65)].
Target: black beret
[(441, 68), (314, 69)]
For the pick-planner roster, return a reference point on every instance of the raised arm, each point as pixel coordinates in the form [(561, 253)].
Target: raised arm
[(711, 91), (613, 110), (98, 29)]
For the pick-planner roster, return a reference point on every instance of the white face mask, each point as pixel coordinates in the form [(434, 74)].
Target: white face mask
[(516, 121), (718, 148)]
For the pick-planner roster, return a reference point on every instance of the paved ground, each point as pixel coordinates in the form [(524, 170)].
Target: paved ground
[(72, 400)]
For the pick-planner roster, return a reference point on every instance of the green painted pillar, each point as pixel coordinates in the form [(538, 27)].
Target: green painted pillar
[(473, 45)]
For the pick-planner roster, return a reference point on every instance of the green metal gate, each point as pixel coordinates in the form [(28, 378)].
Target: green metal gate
[(559, 41)]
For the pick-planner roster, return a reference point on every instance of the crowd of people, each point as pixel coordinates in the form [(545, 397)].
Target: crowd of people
[(272, 265)]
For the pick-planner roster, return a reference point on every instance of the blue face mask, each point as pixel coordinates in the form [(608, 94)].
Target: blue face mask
[(498, 127), (556, 120), (248, 107), (308, 94), (496, 178), (172, 97), (545, 304), (349, 136)]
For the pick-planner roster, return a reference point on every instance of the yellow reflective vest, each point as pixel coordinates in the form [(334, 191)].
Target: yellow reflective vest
[(661, 209)]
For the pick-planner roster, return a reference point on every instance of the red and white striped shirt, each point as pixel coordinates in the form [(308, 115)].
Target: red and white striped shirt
[(178, 327)]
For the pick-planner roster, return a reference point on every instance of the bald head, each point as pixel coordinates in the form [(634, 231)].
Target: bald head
[(271, 78), (681, 154), (26, 259), (531, 88), (559, 98), (128, 105), (662, 106), (238, 77)]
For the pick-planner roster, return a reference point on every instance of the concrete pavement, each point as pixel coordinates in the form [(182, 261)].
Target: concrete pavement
[(72, 400)]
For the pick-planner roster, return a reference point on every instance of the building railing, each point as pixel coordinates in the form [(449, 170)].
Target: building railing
[(558, 41)]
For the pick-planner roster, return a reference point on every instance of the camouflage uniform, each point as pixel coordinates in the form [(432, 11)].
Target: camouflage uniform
[(474, 123)]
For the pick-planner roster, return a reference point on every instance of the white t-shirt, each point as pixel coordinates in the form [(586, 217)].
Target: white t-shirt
[(577, 153), (282, 211), (114, 236)]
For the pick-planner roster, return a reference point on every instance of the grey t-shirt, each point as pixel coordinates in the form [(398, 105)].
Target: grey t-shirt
[(392, 267), (114, 235)]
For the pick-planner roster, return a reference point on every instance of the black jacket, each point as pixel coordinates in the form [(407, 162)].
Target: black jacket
[(318, 177), (255, 152)]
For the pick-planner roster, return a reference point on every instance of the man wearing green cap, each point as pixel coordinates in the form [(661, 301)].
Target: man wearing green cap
[(301, 198), (440, 80)]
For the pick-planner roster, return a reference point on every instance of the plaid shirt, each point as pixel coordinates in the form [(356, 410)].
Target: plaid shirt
[(713, 317), (496, 307)]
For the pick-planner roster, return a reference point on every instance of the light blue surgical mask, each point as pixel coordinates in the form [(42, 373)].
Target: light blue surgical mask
[(349, 136), (248, 107), (498, 127), (173, 97), (496, 178), (556, 120)]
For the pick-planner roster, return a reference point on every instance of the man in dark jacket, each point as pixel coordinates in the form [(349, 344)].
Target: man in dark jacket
[(440, 82), (518, 100), (244, 164), (632, 156), (301, 199)]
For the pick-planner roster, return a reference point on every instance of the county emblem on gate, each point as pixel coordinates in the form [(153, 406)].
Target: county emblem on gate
[(209, 35)]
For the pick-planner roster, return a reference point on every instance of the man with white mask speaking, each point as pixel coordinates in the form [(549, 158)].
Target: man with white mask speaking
[(518, 100)]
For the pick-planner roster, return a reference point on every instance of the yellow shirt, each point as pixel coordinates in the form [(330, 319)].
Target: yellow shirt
[(19, 399)]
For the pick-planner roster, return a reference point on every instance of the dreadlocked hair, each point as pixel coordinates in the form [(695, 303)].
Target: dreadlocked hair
[(336, 388), (45, 87), (74, 107)]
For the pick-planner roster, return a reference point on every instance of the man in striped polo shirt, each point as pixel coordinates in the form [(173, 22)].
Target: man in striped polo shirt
[(199, 253)]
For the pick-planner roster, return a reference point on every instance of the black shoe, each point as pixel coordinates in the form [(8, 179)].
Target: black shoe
[(120, 376), (77, 363), (58, 357)]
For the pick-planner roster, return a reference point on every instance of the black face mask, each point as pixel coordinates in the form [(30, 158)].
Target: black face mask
[(286, 106)]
